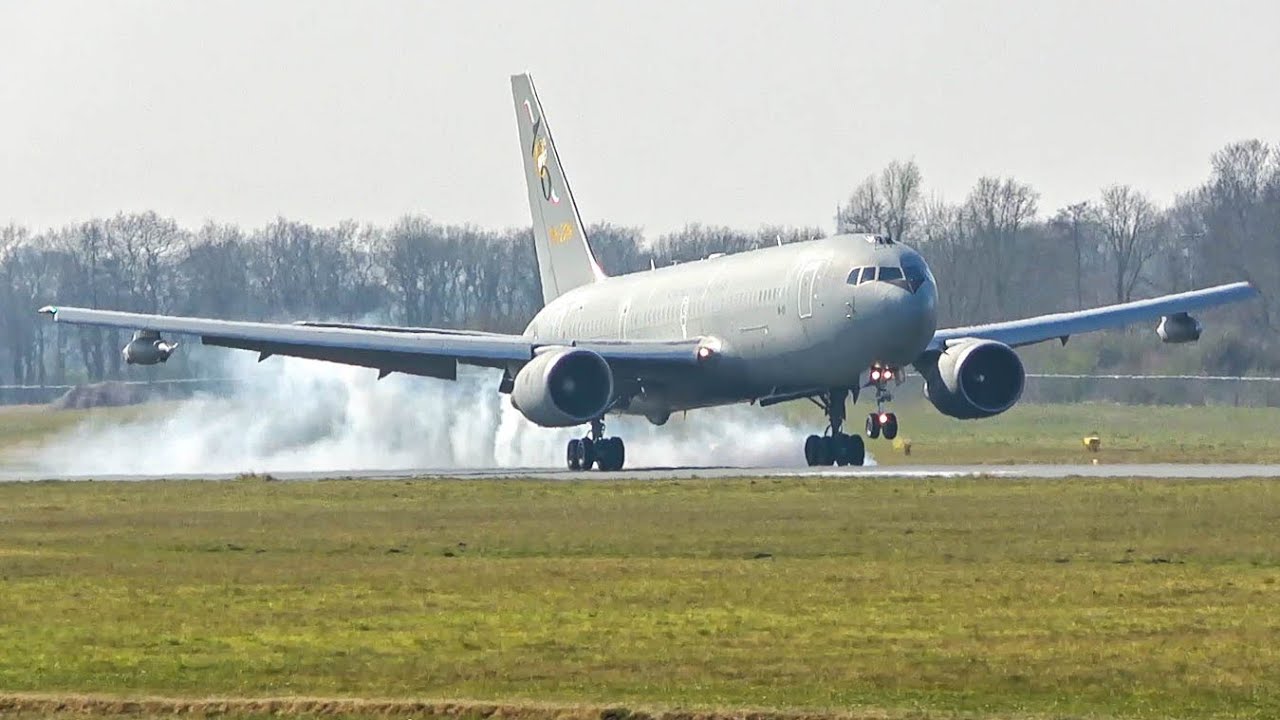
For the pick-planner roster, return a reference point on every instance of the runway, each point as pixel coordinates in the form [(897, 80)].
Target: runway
[(888, 472)]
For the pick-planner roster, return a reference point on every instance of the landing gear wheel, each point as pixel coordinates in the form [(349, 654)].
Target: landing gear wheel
[(873, 426), (573, 454), (890, 428), (826, 452), (855, 449), (840, 449), (588, 453), (811, 450), (611, 454), (849, 449)]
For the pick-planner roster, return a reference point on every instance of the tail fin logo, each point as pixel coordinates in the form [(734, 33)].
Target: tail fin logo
[(539, 153)]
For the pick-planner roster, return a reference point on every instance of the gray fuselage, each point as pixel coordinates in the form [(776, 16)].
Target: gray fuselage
[(788, 318)]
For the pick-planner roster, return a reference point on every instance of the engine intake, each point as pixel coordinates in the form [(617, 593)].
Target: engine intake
[(563, 388), (1178, 328), (974, 379), (147, 348)]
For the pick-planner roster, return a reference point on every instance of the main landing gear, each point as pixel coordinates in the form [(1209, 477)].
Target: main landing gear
[(605, 453), (881, 422), (835, 447)]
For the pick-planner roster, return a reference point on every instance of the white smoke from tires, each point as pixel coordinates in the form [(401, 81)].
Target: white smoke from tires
[(304, 416)]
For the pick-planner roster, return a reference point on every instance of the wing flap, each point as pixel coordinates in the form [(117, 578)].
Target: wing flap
[(444, 368), (1033, 330)]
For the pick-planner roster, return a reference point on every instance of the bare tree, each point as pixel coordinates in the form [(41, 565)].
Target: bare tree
[(1077, 222), (997, 211), (1129, 223), (884, 204)]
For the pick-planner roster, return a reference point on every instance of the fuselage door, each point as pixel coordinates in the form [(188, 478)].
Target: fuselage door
[(806, 290)]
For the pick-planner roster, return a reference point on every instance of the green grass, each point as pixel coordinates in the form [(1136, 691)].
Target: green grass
[(25, 426), (1031, 433), (1126, 598)]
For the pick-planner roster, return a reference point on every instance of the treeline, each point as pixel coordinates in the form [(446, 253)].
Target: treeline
[(996, 254), (416, 273)]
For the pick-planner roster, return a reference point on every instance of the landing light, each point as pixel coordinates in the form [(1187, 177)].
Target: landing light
[(875, 375), (884, 418), (888, 374)]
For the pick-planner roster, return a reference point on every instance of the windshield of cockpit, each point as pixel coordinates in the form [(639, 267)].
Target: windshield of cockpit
[(911, 275)]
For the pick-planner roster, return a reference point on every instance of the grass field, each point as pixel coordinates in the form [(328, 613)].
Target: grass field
[(26, 426), (919, 598)]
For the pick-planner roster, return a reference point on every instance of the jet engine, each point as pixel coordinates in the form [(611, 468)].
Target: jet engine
[(1178, 328), (147, 348), (563, 387), (974, 379)]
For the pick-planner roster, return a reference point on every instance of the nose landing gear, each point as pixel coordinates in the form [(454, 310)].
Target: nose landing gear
[(837, 447), (881, 422), (607, 453)]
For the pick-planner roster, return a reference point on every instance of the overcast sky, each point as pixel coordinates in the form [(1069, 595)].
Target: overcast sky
[(727, 112)]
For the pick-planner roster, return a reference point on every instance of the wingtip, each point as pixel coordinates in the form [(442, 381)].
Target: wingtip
[(48, 310)]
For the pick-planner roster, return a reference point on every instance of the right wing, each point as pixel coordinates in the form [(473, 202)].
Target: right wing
[(1060, 326), (414, 351)]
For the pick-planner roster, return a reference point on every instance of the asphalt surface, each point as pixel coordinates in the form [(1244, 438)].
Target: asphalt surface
[(1045, 472)]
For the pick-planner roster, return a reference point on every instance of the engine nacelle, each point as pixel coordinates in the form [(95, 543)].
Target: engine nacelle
[(1178, 328), (147, 348), (974, 379), (563, 388)]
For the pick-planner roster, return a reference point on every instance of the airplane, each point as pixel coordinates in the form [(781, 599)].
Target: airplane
[(821, 320)]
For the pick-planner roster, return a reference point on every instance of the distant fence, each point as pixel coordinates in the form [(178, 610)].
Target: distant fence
[(1040, 387), (147, 389), (1240, 391)]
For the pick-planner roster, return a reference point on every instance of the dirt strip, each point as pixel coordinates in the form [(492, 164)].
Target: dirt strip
[(21, 704)]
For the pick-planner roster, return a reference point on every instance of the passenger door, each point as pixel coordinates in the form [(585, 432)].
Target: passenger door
[(807, 289)]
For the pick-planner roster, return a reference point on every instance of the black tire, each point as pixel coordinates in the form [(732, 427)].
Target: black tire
[(856, 450), (826, 452), (891, 427), (588, 453), (573, 454), (811, 444), (873, 426), (611, 454), (619, 454), (840, 449)]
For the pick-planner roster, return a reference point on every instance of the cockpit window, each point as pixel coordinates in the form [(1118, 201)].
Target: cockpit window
[(889, 274), (860, 275), (916, 270)]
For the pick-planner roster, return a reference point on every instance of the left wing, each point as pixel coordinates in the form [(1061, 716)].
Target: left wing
[(1063, 325), (415, 351)]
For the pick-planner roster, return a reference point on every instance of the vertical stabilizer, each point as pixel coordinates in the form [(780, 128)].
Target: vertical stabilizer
[(564, 257)]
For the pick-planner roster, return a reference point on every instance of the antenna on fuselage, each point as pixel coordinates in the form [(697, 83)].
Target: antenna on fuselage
[(778, 237)]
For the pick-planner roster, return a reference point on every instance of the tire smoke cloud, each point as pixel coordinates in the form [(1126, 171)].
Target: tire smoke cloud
[(304, 416)]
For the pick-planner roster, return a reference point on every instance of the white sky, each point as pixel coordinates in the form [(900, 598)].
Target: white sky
[(722, 111)]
